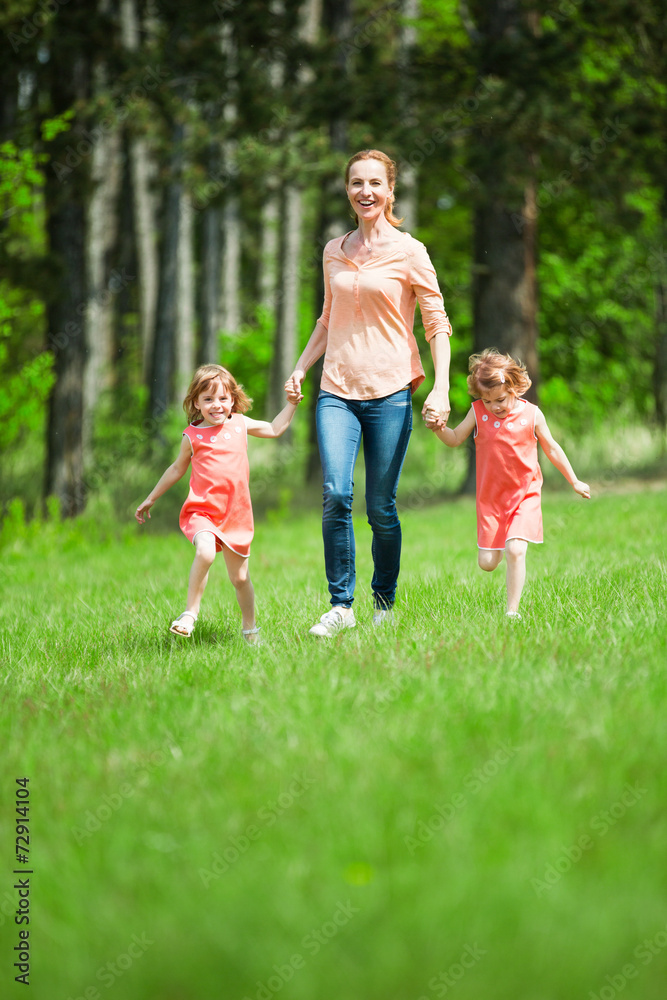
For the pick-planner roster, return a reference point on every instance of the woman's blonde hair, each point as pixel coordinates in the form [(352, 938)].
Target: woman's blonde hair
[(202, 379), (390, 167), (491, 369)]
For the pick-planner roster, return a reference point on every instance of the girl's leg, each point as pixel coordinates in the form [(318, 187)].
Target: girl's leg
[(386, 425), (339, 438), (204, 543), (237, 567), (489, 559), (515, 549)]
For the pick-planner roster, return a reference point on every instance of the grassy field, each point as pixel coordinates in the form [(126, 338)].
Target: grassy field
[(453, 807)]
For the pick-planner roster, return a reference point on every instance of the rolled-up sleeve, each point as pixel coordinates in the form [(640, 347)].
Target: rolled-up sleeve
[(424, 282), (326, 307)]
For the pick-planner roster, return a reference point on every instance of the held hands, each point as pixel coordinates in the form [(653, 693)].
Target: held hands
[(143, 509), (431, 419), (293, 386), (583, 489), (436, 410), (292, 397)]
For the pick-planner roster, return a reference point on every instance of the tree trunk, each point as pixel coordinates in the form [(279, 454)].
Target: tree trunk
[(270, 220), (185, 308), (101, 230), (142, 172), (230, 305), (269, 251), (64, 468), (504, 279), (162, 369), (211, 233), (285, 343), (230, 285), (504, 286), (406, 196), (291, 223), (334, 218), (66, 213), (660, 355)]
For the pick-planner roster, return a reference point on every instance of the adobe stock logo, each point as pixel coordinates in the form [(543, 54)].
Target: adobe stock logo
[(31, 26)]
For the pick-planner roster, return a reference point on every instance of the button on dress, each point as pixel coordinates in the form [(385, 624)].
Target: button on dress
[(219, 497), (509, 478)]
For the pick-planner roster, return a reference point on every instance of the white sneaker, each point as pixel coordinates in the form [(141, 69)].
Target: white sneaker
[(332, 622), (383, 616), (513, 616)]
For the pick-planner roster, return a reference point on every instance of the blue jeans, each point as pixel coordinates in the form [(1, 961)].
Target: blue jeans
[(385, 426)]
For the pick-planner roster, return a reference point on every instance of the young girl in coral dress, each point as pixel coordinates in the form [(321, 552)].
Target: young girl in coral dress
[(509, 479), (217, 515)]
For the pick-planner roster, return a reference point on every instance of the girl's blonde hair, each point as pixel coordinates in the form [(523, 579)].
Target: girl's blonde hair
[(390, 167), (202, 379), (491, 369)]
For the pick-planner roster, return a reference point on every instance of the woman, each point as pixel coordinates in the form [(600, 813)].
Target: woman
[(373, 276)]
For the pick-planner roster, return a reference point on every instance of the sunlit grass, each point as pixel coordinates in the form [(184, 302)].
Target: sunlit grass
[(371, 818)]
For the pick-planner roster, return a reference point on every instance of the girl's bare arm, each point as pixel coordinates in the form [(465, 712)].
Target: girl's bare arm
[(452, 436), (176, 471), (278, 426), (557, 456)]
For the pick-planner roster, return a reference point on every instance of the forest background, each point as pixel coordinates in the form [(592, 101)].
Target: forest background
[(169, 175)]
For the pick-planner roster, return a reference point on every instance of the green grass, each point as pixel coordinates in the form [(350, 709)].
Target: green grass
[(454, 807)]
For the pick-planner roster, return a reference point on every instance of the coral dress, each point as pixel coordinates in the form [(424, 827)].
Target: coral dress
[(219, 497), (509, 478)]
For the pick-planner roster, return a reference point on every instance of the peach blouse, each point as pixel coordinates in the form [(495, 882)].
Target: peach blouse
[(369, 311)]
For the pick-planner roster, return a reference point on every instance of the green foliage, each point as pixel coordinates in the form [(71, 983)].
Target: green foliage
[(437, 97), (248, 354), (26, 371), (21, 181), (596, 332), (23, 393)]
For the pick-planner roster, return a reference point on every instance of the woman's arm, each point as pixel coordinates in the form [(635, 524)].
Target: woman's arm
[(313, 350), (170, 476), (278, 426), (438, 398), (317, 343), (557, 456), (455, 436), (437, 328)]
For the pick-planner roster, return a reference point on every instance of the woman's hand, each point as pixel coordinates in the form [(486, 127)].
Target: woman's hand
[(436, 409), (293, 386)]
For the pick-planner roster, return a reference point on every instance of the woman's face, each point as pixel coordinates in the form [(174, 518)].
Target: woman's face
[(368, 189)]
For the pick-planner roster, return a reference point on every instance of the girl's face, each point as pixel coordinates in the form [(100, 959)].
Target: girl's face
[(368, 189), (214, 403), (499, 401)]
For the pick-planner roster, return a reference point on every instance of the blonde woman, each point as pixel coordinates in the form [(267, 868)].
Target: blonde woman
[(374, 277)]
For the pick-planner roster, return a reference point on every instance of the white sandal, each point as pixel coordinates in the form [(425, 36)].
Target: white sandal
[(247, 632), (185, 630)]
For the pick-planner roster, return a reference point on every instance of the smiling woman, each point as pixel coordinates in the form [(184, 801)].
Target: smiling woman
[(374, 277)]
